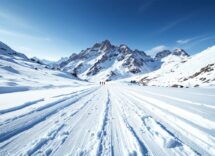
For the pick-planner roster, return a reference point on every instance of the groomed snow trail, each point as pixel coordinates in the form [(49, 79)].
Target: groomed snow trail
[(113, 119)]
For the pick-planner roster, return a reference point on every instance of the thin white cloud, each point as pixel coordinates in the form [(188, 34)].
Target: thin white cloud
[(157, 49), (174, 24), (185, 41), (194, 40), (199, 40)]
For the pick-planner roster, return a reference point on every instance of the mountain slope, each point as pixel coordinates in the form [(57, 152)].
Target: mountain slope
[(106, 61), (18, 73), (198, 70)]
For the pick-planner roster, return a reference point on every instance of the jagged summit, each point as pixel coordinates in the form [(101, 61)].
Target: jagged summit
[(177, 52), (106, 61), (162, 54), (103, 46), (180, 52)]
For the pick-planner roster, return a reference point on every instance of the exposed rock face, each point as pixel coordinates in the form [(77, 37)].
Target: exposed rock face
[(106, 61), (181, 70), (180, 52), (162, 54), (107, 58), (111, 76), (207, 69)]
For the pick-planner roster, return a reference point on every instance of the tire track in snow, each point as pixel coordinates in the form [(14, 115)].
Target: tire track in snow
[(143, 148), (197, 141), (44, 106), (82, 138), (103, 132), (181, 100), (39, 145), (141, 145), (51, 137), (3, 111), (186, 115), (37, 117), (155, 130)]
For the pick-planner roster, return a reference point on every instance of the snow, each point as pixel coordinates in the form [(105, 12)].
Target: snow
[(113, 119), (18, 73), (96, 63), (198, 70), (51, 112)]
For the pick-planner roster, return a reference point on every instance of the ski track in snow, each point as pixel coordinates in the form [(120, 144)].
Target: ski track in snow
[(114, 119)]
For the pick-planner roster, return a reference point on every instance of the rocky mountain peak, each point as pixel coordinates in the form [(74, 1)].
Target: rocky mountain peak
[(104, 57), (180, 52), (103, 46), (106, 45), (123, 48), (162, 54), (140, 52)]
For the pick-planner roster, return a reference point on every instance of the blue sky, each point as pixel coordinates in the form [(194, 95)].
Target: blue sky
[(54, 28)]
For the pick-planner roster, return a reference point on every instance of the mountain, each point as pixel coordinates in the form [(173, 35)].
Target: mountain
[(104, 61), (177, 52), (180, 52), (183, 71), (19, 73), (162, 54), (50, 64), (50, 112), (6, 52)]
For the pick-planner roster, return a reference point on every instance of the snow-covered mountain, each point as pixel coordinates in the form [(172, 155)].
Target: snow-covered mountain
[(47, 112), (6, 52), (18, 73), (50, 64), (106, 61), (183, 71)]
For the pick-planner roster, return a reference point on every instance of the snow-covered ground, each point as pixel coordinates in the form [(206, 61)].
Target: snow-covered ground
[(195, 71), (19, 73), (113, 119), (52, 112)]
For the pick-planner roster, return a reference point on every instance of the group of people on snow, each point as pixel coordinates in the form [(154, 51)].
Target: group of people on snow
[(102, 82)]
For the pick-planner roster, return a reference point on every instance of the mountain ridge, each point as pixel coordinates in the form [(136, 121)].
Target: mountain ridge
[(122, 60), (105, 62)]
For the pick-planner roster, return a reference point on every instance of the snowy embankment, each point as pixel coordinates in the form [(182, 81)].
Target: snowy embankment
[(195, 71), (115, 119), (19, 73)]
